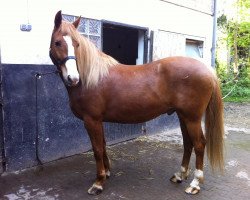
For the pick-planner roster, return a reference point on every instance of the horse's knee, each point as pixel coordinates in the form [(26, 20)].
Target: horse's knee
[(199, 147)]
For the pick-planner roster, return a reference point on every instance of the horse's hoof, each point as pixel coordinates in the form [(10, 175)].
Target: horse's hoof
[(176, 179), (95, 189), (192, 190)]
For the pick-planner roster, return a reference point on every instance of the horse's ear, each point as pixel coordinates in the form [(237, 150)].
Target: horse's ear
[(58, 19), (76, 23)]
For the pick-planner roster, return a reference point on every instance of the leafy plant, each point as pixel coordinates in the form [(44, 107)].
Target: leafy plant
[(235, 88), (234, 38)]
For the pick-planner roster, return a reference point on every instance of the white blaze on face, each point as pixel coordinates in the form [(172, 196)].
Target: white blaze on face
[(71, 66)]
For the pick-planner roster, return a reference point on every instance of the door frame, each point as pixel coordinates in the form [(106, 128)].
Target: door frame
[(2, 154), (139, 28)]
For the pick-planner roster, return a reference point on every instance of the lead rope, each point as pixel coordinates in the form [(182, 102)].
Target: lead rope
[(230, 91), (234, 79), (39, 162)]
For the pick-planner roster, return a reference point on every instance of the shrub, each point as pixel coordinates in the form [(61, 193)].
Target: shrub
[(234, 87)]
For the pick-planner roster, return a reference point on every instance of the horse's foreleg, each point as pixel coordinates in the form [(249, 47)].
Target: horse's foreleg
[(95, 131), (107, 162), (178, 177), (199, 142)]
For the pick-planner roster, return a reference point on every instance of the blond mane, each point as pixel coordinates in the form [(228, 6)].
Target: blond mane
[(93, 64)]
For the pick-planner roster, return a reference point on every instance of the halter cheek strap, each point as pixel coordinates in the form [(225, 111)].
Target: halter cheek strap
[(66, 59), (60, 62)]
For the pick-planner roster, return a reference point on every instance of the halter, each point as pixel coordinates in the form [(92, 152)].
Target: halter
[(60, 62)]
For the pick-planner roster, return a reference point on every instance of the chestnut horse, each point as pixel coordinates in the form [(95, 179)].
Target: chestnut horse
[(102, 90)]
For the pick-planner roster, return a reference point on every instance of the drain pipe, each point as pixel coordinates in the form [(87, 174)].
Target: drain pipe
[(213, 49)]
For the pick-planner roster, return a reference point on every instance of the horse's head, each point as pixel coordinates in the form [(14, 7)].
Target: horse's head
[(63, 48)]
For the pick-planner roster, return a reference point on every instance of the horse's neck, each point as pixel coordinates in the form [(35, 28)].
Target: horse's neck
[(110, 61)]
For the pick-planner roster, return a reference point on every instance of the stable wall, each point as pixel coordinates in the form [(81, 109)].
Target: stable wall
[(18, 47), (40, 106)]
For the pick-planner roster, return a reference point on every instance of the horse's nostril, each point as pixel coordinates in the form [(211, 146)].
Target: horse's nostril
[(69, 79), (72, 80)]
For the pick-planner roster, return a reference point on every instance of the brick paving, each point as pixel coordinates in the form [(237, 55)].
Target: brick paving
[(140, 170)]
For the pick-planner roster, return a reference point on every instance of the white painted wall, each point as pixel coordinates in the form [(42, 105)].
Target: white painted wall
[(32, 47)]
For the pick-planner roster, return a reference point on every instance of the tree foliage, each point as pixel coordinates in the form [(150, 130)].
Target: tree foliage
[(237, 29), (236, 32)]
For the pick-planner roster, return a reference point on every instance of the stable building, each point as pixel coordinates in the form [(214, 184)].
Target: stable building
[(36, 121)]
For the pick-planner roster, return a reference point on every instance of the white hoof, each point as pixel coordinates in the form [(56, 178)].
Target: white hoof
[(176, 178), (194, 187), (95, 189), (180, 176), (192, 190)]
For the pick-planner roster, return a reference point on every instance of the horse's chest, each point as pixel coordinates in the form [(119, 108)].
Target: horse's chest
[(75, 108)]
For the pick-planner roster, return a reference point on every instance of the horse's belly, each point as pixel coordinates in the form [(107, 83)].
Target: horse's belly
[(135, 112), (127, 119)]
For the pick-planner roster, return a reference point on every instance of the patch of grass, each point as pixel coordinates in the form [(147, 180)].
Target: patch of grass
[(237, 99), (236, 92), (235, 88)]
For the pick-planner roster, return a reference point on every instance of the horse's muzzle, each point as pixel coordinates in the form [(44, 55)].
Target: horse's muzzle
[(72, 81)]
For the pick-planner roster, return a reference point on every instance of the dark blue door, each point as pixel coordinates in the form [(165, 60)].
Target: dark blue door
[(1, 123)]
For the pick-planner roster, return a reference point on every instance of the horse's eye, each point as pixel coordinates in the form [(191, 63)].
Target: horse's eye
[(58, 43)]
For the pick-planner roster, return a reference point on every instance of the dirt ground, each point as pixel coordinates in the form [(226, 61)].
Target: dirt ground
[(237, 115), (141, 169)]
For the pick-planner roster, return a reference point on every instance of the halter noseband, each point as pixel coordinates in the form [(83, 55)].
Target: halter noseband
[(60, 62)]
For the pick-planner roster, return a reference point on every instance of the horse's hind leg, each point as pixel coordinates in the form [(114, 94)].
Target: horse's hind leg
[(198, 140), (178, 177)]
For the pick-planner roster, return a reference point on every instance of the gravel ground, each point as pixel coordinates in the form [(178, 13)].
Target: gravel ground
[(237, 115)]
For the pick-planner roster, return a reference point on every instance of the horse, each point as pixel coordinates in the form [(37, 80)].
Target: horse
[(101, 89)]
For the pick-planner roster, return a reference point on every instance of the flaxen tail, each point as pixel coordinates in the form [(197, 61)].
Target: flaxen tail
[(214, 127)]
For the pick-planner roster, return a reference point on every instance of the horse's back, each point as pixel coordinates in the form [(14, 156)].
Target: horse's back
[(182, 65)]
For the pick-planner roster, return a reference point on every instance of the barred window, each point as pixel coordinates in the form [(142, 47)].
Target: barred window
[(90, 28)]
